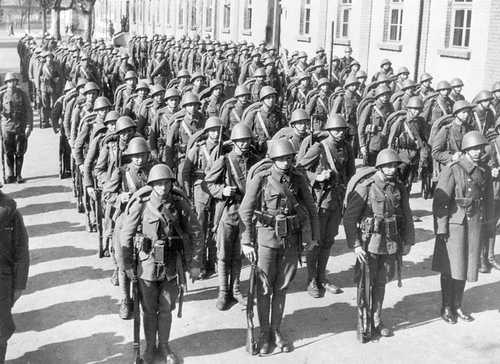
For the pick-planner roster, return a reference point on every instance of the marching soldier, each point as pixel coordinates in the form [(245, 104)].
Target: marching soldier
[(379, 226), (226, 181), (17, 124), (297, 98), (300, 67), (132, 106), (279, 199), (402, 76), (232, 114), (49, 82), (90, 92), (14, 265), (158, 71), (149, 111), (406, 92), (456, 90), (441, 104), (371, 125), (483, 116), (347, 59), (257, 85), (159, 129), (425, 86), (163, 220), (211, 98), (463, 208), (495, 103), (249, 68), (318, 105), (362, 77), (297, 130), (495, 173), (385, 69), (329, 165), (227, 72), (122, 94)]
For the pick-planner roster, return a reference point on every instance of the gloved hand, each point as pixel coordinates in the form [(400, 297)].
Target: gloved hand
[(131, 274)]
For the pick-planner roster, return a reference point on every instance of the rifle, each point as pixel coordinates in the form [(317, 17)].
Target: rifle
[(181, 282), (137, 313), (3, 155), (251, 344), (98, 219), (365, 304)]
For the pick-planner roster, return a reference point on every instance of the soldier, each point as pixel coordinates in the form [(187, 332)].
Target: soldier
[(197, 82), (361, 76), (117, 190), (250, 67), (329, 165), (297, 130), (17, 124), (123, 93), (346, 104), (49, 80), (231, 113), (90, 92), (265, 120), (372, 138), (57, 124), (402, 76), (407, 136), (149, 111), (406, 92), (183, 76), (379, 226), (132, 106), (495, 103), (347, 59), (14, 265), (318, 106), (299, 67), (85, 69), (495, 173), (227, 72), (158, 69), (484, 118), (439, 105), (211, 98), (166, 224), (463, 208), (385, 69), (259, 77), (456, 90), (297, 97), (280, 201)]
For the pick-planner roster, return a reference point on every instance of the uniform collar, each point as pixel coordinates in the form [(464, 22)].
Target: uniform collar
[(467, 164)]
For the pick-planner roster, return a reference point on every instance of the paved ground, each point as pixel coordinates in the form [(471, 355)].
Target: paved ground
[(68, 314)]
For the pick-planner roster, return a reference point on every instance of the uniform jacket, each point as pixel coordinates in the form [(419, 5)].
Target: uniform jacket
[(15, 111), (375, 117)]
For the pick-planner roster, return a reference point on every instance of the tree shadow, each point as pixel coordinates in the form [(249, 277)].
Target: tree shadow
[(60, 313), (421, 213), (89, 349), (38, 191), (40, 208), (42, 255), (209, 342), (53, 228), (48, 280)]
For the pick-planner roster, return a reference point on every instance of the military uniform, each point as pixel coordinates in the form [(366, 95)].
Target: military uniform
[(159, 130), (232, 114), (14, 265), (49, 79), (264, 123), (346, 105)]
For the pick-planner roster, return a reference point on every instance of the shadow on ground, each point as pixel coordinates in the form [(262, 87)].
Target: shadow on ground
[(40, 208), (60, 313), (38, 191), (57, 227), (42, 255)]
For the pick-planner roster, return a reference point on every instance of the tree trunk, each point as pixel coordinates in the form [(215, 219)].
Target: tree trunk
[(44, 21), (56, 23), (90, 24)]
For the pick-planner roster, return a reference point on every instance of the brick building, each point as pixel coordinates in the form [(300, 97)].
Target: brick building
[(447, 38)]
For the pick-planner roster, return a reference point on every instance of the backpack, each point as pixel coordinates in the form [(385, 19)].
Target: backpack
[(361, 175), (438, 125)]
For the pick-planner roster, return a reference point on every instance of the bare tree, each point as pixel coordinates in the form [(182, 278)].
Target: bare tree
[(87, 7), (57, 7)]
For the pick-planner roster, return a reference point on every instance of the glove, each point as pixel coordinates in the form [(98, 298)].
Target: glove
[(131, 274)]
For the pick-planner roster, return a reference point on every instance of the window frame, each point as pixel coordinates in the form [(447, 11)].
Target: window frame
[(466, 7), (305, 18), (343, 28), (247, 16), (398, 6), (209, 5), (226, 15)]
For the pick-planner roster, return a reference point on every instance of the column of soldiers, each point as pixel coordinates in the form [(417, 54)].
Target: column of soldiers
[(190, 154)]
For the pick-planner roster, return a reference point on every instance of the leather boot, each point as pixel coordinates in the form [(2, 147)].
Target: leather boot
[(114, 278), (222, 302), (313, 289), (126, 305), (150, 329), (164, 325), (168, 355), (484, 266), (263, 310), (378, 300), (458, 294), (3, 351), (447, 296), (360, 333), (278, 308), (491, 254), (324, 255), (9, 175), (19, 168), (234, 286)]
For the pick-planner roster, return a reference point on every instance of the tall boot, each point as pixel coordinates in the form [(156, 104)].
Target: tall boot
[(9, 175), (447, 313), (150, 330), (235, 284), (19, 167), (164, 325), (491, 253), (263, 310), (484, 266), (312, 273), (378, 294), (126, 304), (277, 310), (3, 351), (222, 302), (324, 255), (458, 294)]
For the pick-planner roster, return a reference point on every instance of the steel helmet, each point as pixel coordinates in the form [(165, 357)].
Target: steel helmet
[(156, 89), (172, 92), (160, 172), (425, 77), (190, 98), (111, 116), (196, 75), (351, 80), (303, 76), (361, 74), (9, 76), (124, 123), (137, 145), (403, 70), (443, 85), (496, 87), (130, 75), (415, 102), (280, 148), (461, 105), (212, 123), (183, 73), (299, 115), (81, 83), (90, 87), (473, 139), (382, 90), (323, 81), (387, 156), (259, 72), (101, 102), (241, 131), (266, 91), (142, 85), (320, 50), (302, 54), (335, 121), (68, 86), (484, 95), (385, 61), (241, 90), (407, 84), (456, 82)]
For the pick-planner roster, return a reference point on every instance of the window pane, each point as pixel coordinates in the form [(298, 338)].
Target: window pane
[(306, 31), (459, 18), (467, 38), (457, 37), (469, 16), (393, 32), (345, 30), (346, 16), (394, 16)]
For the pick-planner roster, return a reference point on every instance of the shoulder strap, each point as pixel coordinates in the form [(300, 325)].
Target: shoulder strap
[(238, 177), (263, 125), (329, 157), (279, 187)]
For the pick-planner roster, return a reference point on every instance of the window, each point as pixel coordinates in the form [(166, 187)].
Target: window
[(247, 15), (344, 15), (305, 17), (396, 21), (181, 13), (194, 10), (208, 14), (227, 14), (169, 13), (134, 6), (461, 23)]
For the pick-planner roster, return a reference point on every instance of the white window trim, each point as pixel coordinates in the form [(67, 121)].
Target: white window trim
[(456, 6), (401, 16)]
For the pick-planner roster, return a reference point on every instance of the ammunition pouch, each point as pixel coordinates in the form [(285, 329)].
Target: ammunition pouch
[(470, 205), (283, 225)]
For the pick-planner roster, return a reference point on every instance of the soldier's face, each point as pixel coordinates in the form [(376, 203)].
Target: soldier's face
[(142, 92), (191, 108), (445, 92), (389, 170), (173, 102), (243, 99), (352, 87), (198, 81), (463, 116), (497, 94), (284, 163), (337, 134), (485, 104), (413, 112), (403, 76), (324, 88), (300, 126), (162, 188), (457, 90), (111, 126), (139, 159), (427, 84), (304, 82), (90, 96), (213, 134), (475, 153), (269, 101), (243, 145), (11, 84)]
